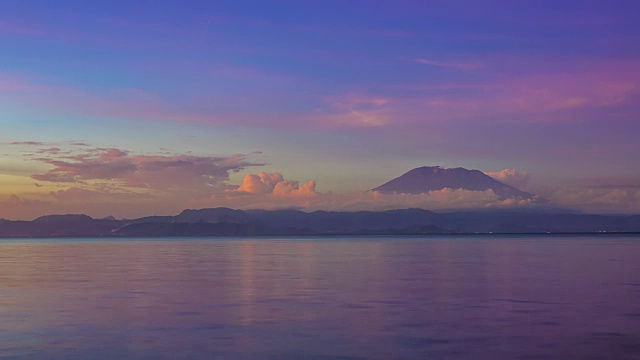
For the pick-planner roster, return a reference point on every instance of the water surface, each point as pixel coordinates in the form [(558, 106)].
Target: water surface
[(321, 298)]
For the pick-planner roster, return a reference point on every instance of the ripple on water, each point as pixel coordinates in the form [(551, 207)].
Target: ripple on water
[(606, 334), (420, 342), (425, 298)]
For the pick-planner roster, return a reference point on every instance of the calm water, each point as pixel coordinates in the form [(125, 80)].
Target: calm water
[(321, 298)]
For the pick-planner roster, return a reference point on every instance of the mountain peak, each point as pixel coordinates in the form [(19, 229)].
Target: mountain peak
[(432, 178)]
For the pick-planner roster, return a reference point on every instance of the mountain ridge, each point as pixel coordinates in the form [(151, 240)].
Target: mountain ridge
[(222, 221), (295, 223)]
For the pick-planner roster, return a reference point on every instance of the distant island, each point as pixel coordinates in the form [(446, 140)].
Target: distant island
[(229, 222), (538, 218)]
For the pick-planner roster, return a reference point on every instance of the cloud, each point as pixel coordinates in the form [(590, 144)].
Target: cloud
[(116, 102), (445, 199), (609, 182), (523, 97), (273, 191), (117, 167), (51, 150), (605, 193), (104, 166), (516, 178), (575, 94), (355, 110), (453, 65), (598, 200), (113, 181), (14, 207), (30, 143), (528, 93), (275, 184), (75, 200), (600, 85)]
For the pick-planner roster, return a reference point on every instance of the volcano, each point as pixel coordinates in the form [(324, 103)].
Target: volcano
[(432, 178)]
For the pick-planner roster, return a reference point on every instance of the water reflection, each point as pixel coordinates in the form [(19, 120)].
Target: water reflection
[(375, 298)]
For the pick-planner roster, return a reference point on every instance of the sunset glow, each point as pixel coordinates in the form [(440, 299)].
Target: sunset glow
[(132, 109)]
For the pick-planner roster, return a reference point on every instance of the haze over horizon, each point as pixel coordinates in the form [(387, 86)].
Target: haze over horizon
[(140, 108)]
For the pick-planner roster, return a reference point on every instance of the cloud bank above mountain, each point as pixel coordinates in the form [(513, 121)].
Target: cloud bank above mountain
[(102, 181)]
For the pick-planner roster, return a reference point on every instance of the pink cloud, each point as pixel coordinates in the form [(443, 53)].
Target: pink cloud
[(275, 184), (536, 96), (532, 97), (601, 85), (14, 207), (516, 178)]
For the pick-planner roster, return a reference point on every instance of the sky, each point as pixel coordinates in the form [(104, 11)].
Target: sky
[(131, 108)]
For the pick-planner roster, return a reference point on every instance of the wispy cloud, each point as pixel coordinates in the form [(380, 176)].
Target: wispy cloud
[(446, 64), (354, 110), (597, 199), (15, 28), (29, 143), (129, 103)]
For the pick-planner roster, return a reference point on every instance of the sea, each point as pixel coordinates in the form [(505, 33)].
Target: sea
[(321, 298)]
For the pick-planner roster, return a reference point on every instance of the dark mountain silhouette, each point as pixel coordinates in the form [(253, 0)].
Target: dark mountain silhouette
[(280, 222), (228, 222), (213, 215), (333, 221), (431, 178), (59, 226)]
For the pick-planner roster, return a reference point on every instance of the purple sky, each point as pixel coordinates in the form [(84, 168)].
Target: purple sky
[(135, 107)]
